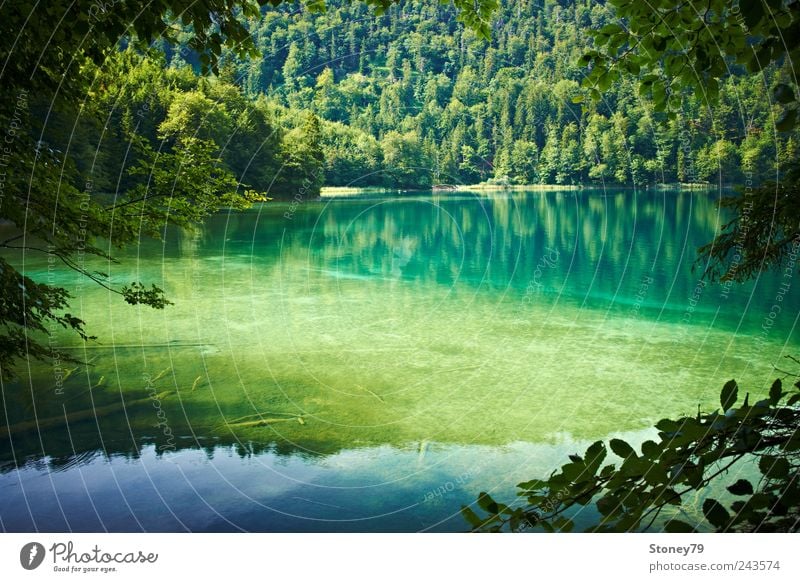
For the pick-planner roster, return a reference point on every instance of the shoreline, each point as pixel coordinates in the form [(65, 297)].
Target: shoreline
[(332, 191)]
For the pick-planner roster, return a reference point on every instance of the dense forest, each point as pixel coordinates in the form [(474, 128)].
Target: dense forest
[(411, 99)]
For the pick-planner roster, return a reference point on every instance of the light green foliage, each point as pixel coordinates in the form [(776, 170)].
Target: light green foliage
[(302, 171)]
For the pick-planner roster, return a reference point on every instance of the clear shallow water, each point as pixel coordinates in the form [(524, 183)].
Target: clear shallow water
[(449, 344)]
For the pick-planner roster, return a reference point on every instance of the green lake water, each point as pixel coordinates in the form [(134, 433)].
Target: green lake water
[(372, 363)]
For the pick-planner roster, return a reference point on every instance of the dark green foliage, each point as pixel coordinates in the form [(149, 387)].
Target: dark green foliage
[(646, 492), (674, 46), (35, 306), (683, 52), (729, 394), (764, 233), (145, 152)]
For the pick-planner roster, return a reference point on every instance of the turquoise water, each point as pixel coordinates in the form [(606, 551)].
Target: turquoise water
[(372, 363)]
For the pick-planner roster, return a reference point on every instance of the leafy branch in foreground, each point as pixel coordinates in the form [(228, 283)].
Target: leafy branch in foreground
[(674, 46), (764, 234), (646, 490), (677, 44)]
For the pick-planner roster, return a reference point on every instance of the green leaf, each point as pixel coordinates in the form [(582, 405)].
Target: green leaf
[(486, 502), (656, 474), (594, 457), (610, 29), (729, 394), (752, 12), (595, 450), (621, 448), (574, 471), (761, 500), (563, 524), (659, 96), (608, 504), (667, 425), (677, 526), (533, 485), (775, 392), (607, 471), (741, 487), (650, 449), (774, 467), (793, 444), (604, 82), (691, 474), (715, 513), (471, 517)]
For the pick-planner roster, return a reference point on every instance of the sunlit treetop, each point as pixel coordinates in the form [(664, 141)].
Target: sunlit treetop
[(671, 45)]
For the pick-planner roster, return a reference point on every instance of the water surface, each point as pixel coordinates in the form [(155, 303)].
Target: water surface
[(372, 363)]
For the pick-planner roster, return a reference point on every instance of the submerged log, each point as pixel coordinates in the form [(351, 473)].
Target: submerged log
[(262, 422), (77, 416), (242, 421), (261, 415)]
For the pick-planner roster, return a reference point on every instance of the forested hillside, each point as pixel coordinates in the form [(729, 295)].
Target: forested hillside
[(413, 99), (410, 99)]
